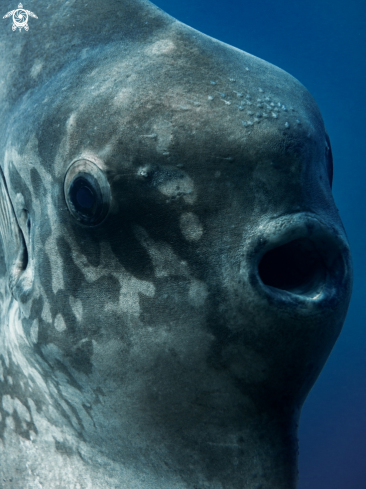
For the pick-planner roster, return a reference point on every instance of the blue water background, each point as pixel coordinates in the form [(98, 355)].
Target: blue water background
[(323, 44)]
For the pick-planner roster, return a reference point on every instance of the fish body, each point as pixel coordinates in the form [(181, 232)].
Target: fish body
[(173, 276)]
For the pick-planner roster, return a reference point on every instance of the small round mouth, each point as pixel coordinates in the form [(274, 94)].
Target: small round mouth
[(296, 267), (299, 255)]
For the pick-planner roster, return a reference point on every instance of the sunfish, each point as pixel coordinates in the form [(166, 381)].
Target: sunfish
[(174, 271)]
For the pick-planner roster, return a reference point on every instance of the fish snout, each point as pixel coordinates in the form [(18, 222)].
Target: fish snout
[(298, 258)]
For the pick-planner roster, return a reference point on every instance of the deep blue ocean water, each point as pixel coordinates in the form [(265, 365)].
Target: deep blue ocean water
[(323, 44)]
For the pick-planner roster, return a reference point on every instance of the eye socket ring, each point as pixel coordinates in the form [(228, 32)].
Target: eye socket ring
[(87, 193)]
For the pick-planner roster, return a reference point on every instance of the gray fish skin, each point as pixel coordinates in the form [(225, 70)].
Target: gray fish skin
[(173, 344)]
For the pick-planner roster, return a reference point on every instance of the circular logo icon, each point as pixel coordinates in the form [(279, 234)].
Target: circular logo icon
[(20, 18)]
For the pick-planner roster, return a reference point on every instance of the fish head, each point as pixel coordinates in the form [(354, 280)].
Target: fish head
[(176, 225)]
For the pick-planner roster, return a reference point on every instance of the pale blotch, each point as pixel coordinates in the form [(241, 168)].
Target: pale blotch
[(164, 130), (77, 307), (36, 68), (122, 97), (197, 293), (59, 323), (190, 226), (180, 186), (55, 262), (34, 331), (8, 404), (21, 410), (71, 123), (165, 261), (46, 311), (164, 46), (10, 424)]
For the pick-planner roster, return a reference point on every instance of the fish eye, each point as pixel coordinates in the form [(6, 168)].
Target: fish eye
[(87, 192)]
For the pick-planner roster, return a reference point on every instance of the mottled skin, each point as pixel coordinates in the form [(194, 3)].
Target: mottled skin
[(146, 352)]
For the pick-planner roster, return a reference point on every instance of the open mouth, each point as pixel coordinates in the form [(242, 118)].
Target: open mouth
[(296, 267), (302, 256)]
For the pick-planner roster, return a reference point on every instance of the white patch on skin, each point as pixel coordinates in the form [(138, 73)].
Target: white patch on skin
[(164, 260), (10, 380), (36, 68), (128, 295), (122, 97), (190, 226), (64, 148), (21, 410), (164, 46), (77, 307), (8, 404), (184, 186), (71, 123), (55, 262), (10, 424), (19, 203), (46, 311), (197, 293), (34, 331), (108, 149), (164, 130), (59, 323)]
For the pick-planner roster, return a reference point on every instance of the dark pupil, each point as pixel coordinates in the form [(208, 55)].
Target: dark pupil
[(84, 197)]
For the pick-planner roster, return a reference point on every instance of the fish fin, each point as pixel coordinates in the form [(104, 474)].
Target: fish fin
[(15, 250)]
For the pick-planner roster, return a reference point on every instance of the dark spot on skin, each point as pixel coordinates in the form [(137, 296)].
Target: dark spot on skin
[(37, 307), (88, 410), (37, 184), (76, 414), (99, 392), (22, 431), (130, 252), (80, 356), (69, 377), (64, 448)]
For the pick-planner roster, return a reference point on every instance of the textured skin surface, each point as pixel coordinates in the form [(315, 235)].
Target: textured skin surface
[(147, 351)]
